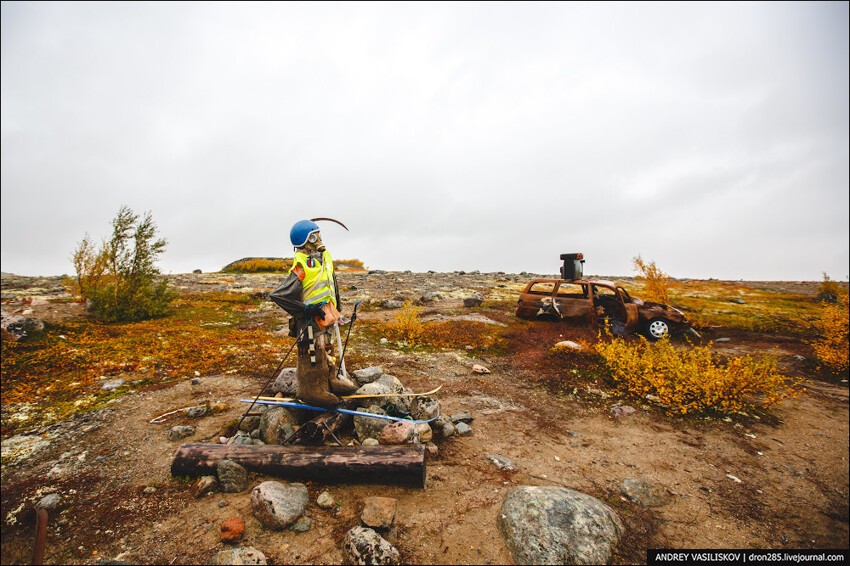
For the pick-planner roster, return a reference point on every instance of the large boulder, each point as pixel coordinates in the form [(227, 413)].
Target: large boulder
[(275, 425), (423, 408), (367, 375), (374, 388), (365, 546), (557, 525), (399, 405), (285, 383), (278, 505), (370, 427)]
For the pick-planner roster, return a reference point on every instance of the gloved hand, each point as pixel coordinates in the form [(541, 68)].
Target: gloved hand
[(314, 311)]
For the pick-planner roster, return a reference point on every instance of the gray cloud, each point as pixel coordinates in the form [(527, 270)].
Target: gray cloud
[(712, 138)]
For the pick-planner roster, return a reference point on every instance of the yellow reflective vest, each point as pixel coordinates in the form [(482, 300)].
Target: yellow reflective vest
[(318, 281)]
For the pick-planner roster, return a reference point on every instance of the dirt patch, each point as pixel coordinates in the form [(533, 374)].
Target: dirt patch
[(736, 483)]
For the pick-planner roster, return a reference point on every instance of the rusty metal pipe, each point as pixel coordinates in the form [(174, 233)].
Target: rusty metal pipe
[(40, 535)]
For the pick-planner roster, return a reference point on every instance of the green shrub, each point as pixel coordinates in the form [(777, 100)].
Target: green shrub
[(120, 278)]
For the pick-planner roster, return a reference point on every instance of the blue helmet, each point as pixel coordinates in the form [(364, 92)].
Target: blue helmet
[(300, 231)]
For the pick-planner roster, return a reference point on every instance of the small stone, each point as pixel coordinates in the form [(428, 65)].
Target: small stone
[(501, 462), (644, 492), (277, 505), (222, 504), (568, 345), (722, 340), (112, 384), (364, 546), (473, 301), (462, 417), (325, 500), (370, 442), (149, 489), (241, 555), (249, 424), (619, 411), (178, 432), (477, 368), (49, 502), (196, 412), (432, 449), (379, 512), (232, 530), (196, 381), (232, 476), (423, 430), (204, 485), (463, 429), (400, 432), (448, 430), (302, 525)]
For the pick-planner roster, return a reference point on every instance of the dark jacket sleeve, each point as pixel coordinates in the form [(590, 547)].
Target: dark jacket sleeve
[(288, 296)]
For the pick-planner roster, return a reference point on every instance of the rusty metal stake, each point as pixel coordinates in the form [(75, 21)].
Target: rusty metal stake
[(40, 535)]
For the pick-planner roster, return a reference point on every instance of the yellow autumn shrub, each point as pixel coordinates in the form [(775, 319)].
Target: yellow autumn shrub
[(407, 326), (690, 380), (656, 281), (259, 265), (831, 347)]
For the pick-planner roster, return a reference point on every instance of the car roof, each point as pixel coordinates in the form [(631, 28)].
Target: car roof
[(586, 281)]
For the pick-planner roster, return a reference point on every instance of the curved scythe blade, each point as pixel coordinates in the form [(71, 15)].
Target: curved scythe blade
[(331, 220)]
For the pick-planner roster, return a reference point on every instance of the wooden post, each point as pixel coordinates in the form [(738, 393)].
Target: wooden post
[(404, 465)]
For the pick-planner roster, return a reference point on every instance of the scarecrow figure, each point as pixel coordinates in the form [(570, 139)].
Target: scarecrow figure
[(311, 297)]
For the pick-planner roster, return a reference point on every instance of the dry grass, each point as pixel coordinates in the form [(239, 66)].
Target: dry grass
[(63, 372)]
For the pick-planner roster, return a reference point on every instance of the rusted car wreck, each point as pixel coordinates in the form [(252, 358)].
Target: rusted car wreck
[(589, 301)]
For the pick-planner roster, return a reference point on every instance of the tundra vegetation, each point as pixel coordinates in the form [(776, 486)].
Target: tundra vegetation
[(281, 265), (59, 373)]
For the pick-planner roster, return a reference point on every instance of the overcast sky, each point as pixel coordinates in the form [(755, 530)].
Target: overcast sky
[(711, 138)]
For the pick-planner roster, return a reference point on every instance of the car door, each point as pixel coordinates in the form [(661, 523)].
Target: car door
[(573, 301), (632, 317), (608, 302), (536, 300)]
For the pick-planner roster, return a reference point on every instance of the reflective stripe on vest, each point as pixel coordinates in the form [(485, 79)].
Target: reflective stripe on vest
[(318, 282)]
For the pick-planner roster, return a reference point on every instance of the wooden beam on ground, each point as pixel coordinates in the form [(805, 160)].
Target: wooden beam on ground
[(401, 465)]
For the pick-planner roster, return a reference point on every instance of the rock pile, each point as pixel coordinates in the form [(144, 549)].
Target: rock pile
[(278, 425), (279, 505)]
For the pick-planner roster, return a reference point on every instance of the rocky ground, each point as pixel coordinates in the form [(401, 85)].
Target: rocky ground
[(713, 483)]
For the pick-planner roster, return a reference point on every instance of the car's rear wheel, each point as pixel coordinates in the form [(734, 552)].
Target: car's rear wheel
[(656, 329)]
